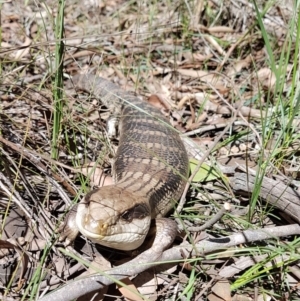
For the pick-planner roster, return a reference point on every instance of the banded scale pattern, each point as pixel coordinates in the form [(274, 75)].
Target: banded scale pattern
[(151, 159), (150, 171)]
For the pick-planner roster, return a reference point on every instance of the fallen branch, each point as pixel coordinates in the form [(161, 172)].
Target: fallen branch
[(272, 191), (81, 287)]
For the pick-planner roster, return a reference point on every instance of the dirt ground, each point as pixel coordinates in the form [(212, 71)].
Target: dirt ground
[(227, 79)]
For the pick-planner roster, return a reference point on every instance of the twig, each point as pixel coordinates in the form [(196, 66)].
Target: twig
[(81, 287), (13, 195), (32, 157), (213, 220), (213, 127)]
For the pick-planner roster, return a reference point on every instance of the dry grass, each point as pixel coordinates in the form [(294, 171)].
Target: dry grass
[(211, 65)]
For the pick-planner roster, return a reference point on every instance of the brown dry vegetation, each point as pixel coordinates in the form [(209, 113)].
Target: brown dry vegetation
[(227, 79)]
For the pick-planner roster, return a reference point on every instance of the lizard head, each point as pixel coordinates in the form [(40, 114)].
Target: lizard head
[(114, 217)]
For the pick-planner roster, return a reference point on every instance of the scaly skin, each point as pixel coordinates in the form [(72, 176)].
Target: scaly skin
[(150, 170)]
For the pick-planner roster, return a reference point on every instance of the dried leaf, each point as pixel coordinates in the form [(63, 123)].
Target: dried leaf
[(129, 291), (23, 51), (267, 78), (154, 100), (213, 297), (222, 290), (237, 297)]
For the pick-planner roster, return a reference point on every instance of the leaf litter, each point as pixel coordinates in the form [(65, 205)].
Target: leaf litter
[(200, 62)]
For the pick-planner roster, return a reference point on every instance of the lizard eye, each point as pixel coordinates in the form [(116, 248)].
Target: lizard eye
[(127, 215), (139, 211)]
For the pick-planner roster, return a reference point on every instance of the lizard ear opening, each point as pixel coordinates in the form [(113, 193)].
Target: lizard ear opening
[(137, 212)]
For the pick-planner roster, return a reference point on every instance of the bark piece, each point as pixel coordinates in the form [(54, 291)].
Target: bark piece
[(272, 191)]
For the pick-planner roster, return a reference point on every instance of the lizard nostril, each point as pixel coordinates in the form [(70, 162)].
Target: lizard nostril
[(95, 226), (102, 228)]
